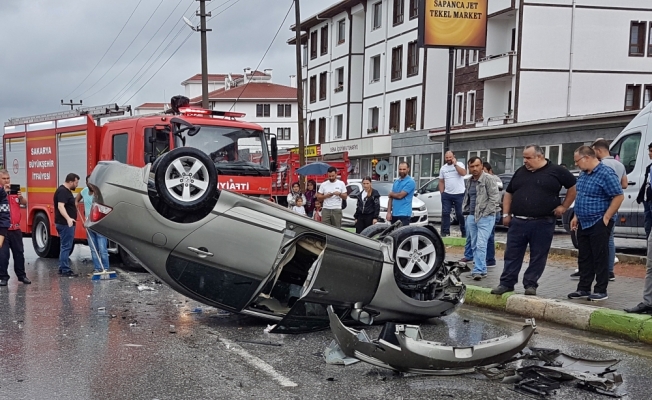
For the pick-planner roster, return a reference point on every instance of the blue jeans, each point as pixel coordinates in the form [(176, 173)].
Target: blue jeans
[(491, 246), (448, 201), (647, 212), (66, 237), (538, 234), (98, 245), (405, 221), (479, 232)]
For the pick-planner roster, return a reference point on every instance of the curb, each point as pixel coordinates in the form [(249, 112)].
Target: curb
[(635, 327)]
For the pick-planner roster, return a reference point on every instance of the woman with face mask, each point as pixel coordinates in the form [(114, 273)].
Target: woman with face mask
[(368, 206)]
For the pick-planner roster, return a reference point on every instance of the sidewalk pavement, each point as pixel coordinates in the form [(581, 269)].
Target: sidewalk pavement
[(552, 303)]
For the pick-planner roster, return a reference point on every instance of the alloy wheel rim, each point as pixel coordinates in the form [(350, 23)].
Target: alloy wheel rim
[(186, 179), (415, 256)]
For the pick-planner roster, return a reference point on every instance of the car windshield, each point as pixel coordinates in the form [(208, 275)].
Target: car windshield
[(383, 188), (234, 151)]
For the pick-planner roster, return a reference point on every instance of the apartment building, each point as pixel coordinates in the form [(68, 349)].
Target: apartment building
[(367, 82), (559, 74)]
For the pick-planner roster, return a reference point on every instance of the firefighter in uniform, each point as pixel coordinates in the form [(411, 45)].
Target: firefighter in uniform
[(14, 239)]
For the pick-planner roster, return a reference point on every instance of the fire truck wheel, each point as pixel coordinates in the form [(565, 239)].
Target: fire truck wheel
[(186, 179), (45, 245), (418, 254)]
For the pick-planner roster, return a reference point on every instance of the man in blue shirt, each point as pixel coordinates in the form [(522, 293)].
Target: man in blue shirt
[(599, 195), (399, 206)]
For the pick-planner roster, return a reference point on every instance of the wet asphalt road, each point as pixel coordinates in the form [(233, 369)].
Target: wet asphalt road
[(56, 343)]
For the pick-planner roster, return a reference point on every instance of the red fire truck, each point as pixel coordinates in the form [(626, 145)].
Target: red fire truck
[(39, 151)]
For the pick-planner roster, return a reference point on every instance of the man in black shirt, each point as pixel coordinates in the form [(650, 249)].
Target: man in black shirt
[(65, 216), (530, 207)]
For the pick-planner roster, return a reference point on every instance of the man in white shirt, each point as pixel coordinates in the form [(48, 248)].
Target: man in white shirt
[(331, 194), (451, 187)]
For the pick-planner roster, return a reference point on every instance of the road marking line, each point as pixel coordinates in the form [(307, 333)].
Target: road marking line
[(258, 363)]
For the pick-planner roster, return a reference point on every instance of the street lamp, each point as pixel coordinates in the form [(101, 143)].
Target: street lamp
[(204, 58)]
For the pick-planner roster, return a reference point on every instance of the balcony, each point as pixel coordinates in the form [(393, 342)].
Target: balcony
[(497, 66), (495, 6)]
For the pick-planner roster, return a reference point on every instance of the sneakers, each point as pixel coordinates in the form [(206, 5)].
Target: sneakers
[(501, 290), (465, 260), (575, 276), (476, 276), (491, 265), (616, 260), (3, 282), (612, 277), (598, 297), (70, 274), (641, 308), (531, 291), (580, 294)]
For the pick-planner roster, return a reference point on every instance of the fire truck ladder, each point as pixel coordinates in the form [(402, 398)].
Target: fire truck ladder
[(104, 111)]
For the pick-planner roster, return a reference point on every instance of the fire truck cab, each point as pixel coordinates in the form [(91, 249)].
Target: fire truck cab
[(39, 151)]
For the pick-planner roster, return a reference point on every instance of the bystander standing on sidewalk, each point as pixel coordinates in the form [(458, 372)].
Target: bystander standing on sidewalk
[(532, 199), (645, 195), (599, 194), (295, 194), (645, 307), (65, 216), (480, 206), (367, 206), (332, 193), (311, 197), (451, 187), (14, 239), (399, 206)]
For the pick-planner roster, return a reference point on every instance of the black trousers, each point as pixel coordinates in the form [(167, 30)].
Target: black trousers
[(593, 257), (13, 241), (364, 221)]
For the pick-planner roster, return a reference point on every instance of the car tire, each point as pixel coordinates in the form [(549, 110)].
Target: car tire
[(195, 189), (373, 230), (128, 261), (45, 244), (416, 243)]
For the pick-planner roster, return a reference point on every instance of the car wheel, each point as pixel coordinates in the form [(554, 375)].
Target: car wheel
[(373, 231), (186, 179), (128, 261), (418, 254), (45, 245)]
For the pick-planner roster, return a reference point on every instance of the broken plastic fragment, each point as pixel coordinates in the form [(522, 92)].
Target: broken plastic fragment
[(334, 355), (143, 287)]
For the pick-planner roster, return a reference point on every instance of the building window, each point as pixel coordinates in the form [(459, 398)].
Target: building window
[(398, 12), (397, 62), (322, 130), (377, 15), (473, 56), (633, 97), (313, 45), (322, 86), (324, 40), (373, 120), (413, 59), (341, 31), (375, 68), (470, 107), (637, 39), (411, 113), (283, 133), (647, 95), (458, 116), (311, 132), (304, 56), (262, 110), (339, 74), (459, 56), (313, 88), (339, 124), (649, 42), (284, 111), (394, 116), (414, 9)]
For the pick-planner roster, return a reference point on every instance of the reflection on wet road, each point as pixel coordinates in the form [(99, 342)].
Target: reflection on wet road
[(72, 338)]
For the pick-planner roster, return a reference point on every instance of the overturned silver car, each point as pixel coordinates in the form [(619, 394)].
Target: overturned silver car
[(251, 256)]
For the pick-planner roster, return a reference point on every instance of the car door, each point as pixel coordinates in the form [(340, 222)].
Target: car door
[(353, 190), (224, 262), (430, 195), (630, 222), (345, 273)]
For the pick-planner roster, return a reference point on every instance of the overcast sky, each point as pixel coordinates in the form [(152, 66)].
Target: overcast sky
[(49, 48)]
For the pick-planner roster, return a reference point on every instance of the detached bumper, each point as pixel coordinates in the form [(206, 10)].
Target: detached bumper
[(403, 349)]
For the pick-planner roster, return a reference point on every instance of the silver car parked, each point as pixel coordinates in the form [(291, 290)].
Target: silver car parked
[(251, 256)]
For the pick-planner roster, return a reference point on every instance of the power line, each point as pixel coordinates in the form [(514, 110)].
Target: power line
[(213, 9), (232, 4), (125, 50), (135, 77), (107, 50), (171, 55), (266, 51), (139, 51)]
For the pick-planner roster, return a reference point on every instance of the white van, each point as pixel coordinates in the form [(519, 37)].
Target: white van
[(631, 146)]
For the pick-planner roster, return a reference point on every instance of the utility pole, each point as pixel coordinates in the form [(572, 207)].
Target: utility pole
[(302, 138), (204, 56), (71, 104), (449, 98)]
